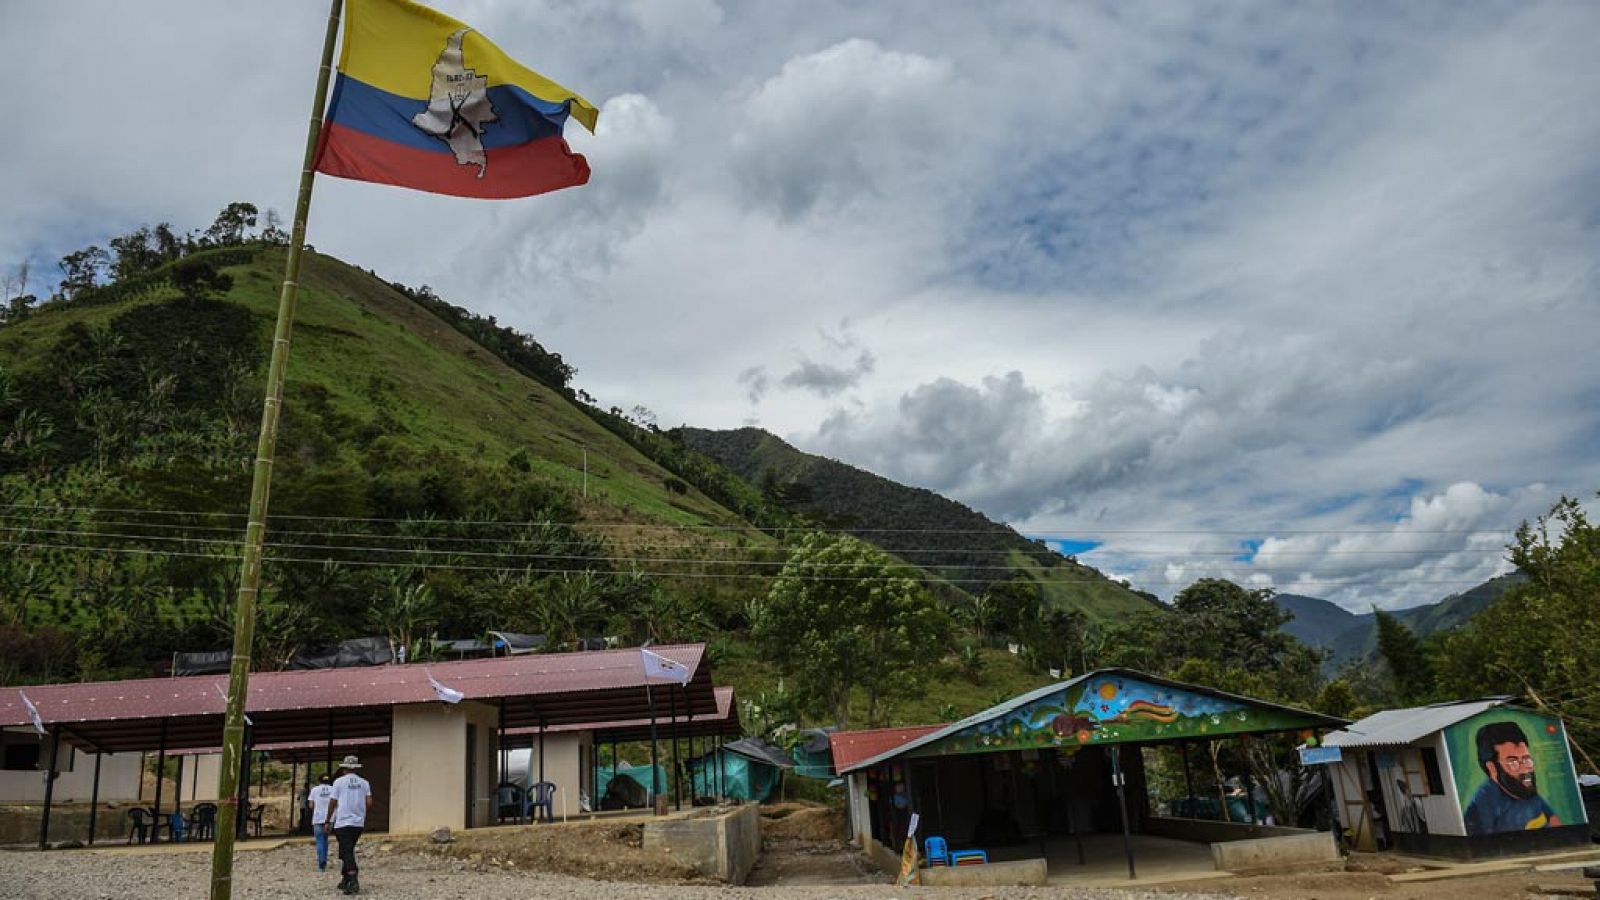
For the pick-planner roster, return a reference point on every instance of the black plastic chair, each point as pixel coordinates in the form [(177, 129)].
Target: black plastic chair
[(138, 828), (253, 817), (203, 822), (510, 802)]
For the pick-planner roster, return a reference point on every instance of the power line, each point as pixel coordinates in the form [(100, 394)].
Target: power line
[(516, 554), (996, 529), (232, 536), (654, 574)]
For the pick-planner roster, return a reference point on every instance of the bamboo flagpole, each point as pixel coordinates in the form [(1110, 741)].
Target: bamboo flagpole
[(244, 613)]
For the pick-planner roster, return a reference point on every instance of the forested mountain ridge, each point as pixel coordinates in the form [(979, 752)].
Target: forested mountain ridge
[(916, 524), (1351, 636)]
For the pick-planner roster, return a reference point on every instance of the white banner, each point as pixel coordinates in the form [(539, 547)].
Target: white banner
[(33, 713), (447, 694), (659, 667)]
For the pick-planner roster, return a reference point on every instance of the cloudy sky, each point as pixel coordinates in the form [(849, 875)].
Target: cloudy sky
[(1306, 295)]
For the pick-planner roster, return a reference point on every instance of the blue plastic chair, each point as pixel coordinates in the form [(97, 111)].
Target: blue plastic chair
[(541, 800), (176, 827), (936, 851), (956, 856)]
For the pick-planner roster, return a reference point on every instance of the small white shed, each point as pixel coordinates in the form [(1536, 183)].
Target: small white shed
[(1467, 779)]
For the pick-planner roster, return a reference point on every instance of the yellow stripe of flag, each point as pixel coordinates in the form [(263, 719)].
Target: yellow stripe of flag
[(392, 45)]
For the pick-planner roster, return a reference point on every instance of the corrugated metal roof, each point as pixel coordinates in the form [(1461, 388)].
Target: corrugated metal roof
[(1397, 727), (1022, 700), (553, 688), (851, 747), (725, 722), (760, 751)]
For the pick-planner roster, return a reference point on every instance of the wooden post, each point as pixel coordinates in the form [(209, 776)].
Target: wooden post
[(244, 613)]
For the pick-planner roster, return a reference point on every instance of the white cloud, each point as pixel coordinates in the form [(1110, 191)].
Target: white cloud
[(1232, 271)]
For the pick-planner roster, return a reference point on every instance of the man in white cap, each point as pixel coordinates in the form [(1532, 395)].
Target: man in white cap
[(352, 796)]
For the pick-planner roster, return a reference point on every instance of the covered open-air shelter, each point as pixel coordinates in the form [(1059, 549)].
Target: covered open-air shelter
[(1057, 773), (569, 754), (443, 768)]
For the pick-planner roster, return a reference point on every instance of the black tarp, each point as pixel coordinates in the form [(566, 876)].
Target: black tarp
[(368, 651), (203, 662), (511, 644)]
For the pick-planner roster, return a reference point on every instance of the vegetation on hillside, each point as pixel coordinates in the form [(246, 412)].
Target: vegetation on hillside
[(959, 544), (440, 477)]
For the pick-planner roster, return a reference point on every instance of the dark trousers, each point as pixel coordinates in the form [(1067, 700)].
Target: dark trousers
[(347, 836)]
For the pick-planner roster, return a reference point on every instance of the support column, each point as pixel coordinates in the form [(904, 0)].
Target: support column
[(1120, 781), (654, 787), (161, 772), (677, 773), (1188, 776), (49, 788), (177, 787), (294, 774), (94, 800)]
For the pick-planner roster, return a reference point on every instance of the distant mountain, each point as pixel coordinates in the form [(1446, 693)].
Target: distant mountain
[(1316, 621), (1348, 636), (922, 527)]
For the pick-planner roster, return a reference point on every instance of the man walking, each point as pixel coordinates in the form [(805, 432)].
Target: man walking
[(319, 799), (352, 796)]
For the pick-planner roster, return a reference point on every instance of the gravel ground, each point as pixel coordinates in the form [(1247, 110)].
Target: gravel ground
[(289, 872)]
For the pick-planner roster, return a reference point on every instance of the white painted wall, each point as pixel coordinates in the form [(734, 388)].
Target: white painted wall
[(566, 765), (119, 778), (428, 776)]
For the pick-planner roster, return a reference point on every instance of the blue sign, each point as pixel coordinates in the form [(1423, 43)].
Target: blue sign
[(1320, 756)]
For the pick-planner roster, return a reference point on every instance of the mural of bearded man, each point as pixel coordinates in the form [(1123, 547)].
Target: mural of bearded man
[(1509, 800)]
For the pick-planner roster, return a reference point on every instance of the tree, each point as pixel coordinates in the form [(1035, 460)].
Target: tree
[(232, 225), (1538, 638), (1408, 665), (842, 615), (81, 269), (134, 254), (1017, 606)]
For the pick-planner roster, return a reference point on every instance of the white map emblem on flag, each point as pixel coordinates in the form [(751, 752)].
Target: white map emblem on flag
[(458, 106), (658, 666)]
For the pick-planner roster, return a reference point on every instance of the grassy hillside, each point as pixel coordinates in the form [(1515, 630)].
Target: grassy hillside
[(945, 537), (128, 418)]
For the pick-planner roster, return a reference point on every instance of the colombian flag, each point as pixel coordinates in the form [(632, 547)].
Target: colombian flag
[(423, 101)]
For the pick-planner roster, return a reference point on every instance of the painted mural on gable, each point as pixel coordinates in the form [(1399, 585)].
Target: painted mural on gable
[(1113, 709)]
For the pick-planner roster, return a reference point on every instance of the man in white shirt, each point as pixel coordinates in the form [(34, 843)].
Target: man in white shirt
[(319, 799), (352, 796)]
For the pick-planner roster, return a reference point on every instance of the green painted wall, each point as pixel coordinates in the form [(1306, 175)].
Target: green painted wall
[(1114, 709), (1552, 762)]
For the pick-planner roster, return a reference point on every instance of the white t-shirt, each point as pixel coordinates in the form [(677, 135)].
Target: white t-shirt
[(319, 797), (350, 792)]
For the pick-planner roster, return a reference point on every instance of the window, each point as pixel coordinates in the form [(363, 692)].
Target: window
[(1430, 770), (22, 753)]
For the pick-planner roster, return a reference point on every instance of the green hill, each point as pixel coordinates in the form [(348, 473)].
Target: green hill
[(434, 474), (957, 543)]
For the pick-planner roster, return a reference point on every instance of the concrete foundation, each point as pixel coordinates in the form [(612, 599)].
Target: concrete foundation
[(722, 845), (70, 822), (1283, 852)]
